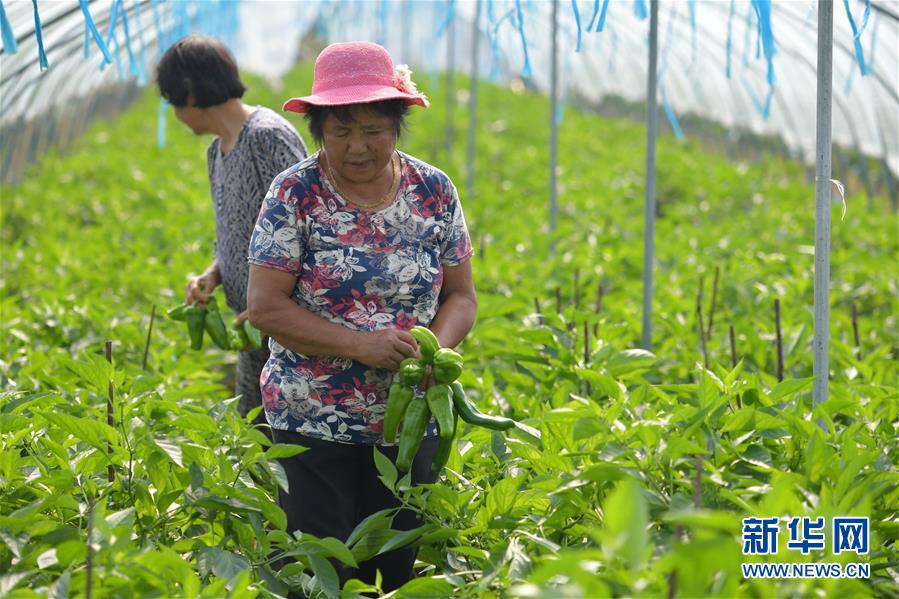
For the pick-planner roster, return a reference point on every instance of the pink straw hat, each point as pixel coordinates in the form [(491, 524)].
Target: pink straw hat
[(357, 73)]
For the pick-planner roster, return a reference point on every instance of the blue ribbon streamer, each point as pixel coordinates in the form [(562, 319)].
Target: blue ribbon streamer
[(859, 53), (669, 114), (577, 19), (764, 11), (160, 41), (729, 43), (748, 35), (450, 15), (132, 60), (142, 78), (640, 9), (110, 35), (9, 40), (595, 14), (160, 123), (602, 16), (764, 108), (42, 56), (526, 69)]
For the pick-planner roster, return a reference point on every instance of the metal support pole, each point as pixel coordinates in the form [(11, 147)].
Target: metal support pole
[(650, 214), (822, 200), (450, 87), (473, 100), (553, 120)]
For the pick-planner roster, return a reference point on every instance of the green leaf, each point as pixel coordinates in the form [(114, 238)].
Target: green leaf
[(284, 450), (329, 547), (629, 361), (325, 576), (60, 588), (223, 564), (426, 588), (626, 518), (171, 449), (94, 432), (386, 470), (789, 387)]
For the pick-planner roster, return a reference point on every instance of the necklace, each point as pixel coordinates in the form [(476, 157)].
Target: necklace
[(388, 197)]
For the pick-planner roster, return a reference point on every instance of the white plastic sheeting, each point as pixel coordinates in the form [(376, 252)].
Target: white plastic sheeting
[(698, 41)]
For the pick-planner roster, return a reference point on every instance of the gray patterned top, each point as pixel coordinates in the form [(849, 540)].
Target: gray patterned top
[(267, 145)]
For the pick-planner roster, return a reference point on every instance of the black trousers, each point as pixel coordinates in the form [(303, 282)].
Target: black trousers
[(334, 486)]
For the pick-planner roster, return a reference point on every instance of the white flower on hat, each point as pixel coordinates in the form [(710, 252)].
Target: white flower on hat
[(402, 79)]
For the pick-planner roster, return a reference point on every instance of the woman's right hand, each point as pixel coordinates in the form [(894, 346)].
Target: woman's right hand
[(200, 288), (385, 348)]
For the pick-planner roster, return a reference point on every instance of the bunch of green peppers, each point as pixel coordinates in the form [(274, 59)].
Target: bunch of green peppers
[(446, 400), (202, 320)]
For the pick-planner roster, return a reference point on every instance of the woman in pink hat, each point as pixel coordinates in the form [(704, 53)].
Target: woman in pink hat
[(352, 248)]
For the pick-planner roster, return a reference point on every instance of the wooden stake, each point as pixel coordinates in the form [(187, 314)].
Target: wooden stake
[(577, 287), (149, 333), (714, 300), (697, 483), (89, 562), (587, 355), (109, 410), (733, 359), (780, 355), (599, 293), (558, 300), (705, 351), (858, 345), (537, 310)]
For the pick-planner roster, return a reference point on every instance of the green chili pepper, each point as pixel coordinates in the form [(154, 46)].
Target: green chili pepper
[(178, 312), (239, 338), (414, 426), (196, 319), (440, 402), (447, 365), (398, 398), (215, 326), (427, 343), (411, 372), (471, 414), (253, 335), (441, 457)]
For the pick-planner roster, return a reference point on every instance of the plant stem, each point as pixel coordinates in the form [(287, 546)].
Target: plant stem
[(577, 287), (537, 310), (109, 410), (858, 345), (780, 356), (558, 300), (733, 358), (89, 562), (714, 301), (705, 351), (149, 333), (587, 354)]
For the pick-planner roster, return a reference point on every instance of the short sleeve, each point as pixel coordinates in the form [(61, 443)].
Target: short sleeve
[(455, 247), (278, 241)]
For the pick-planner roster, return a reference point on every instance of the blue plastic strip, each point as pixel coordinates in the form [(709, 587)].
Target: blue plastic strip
[(764, 108), (87, 41), (859, 53), (864, 18), (450, 15), (640, 9), (764, 11), (602, 16), (526, 69), (42, 56), (89, 22), (132, 59), (669, 114), (577, 19), (9, 40), (110, 35), (595, 14), (729, 43), (142, 78), (159, 35), (160, 123)]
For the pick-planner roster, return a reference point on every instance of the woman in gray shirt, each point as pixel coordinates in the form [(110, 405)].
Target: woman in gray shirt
[(199, 77)]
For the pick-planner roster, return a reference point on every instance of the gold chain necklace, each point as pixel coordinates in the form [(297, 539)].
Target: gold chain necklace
[(388, 197)]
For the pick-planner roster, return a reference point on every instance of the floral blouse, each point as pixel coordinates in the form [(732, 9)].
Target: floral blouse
[(362, 269)]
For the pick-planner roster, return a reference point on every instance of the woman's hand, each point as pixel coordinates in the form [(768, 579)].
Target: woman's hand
[(385, 348), (200, 288)]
